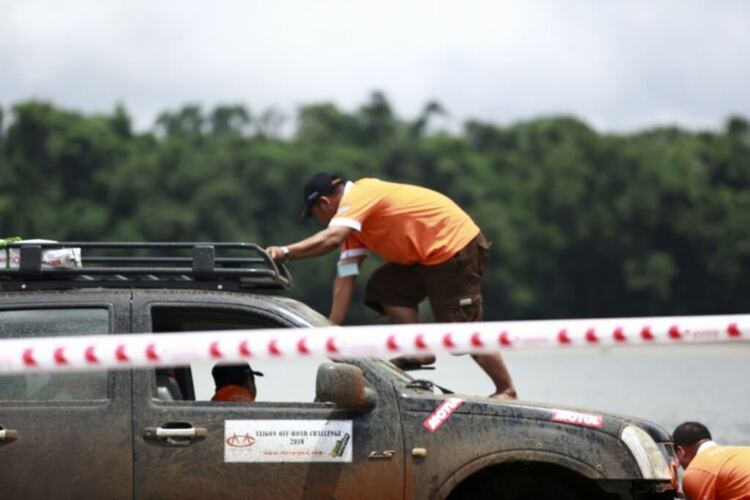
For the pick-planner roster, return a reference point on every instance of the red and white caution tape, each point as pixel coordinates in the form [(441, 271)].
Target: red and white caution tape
[(170, 349)]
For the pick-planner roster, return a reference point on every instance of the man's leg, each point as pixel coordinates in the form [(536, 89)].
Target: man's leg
[(396, 291), (401, 314), (494, 366), (406, 315), (454, 290)]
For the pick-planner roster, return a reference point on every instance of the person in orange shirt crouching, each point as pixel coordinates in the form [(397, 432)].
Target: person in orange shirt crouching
[(712, 472), (235, 383), (432, 250)]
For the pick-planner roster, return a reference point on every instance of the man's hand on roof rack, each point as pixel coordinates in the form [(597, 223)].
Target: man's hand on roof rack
[(278, 254), (320, 243)]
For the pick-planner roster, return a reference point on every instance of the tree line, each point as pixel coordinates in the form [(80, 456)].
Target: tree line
[(583, 224)]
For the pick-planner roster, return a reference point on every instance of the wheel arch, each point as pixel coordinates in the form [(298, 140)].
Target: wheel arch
[(506, 458)]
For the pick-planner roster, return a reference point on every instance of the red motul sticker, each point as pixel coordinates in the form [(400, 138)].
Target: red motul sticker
[(442, 413), (577, 418)]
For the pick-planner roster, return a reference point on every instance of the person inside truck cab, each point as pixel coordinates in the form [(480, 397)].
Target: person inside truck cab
[(234, 383)]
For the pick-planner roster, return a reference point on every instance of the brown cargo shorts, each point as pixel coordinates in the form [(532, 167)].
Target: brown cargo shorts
[(453, 287)]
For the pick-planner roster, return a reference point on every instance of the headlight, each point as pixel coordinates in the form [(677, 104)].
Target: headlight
[(646, 453)]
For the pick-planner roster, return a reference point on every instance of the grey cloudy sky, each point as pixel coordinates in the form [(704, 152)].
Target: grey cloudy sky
[(618, 65)]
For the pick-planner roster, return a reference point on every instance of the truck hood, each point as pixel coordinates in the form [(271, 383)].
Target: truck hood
[(610, 423)]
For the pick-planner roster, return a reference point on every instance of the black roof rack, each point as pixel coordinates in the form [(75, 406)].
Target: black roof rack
[(232, 266)]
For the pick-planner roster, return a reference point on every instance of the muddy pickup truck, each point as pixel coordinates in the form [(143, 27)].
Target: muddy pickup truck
[(367, 430)]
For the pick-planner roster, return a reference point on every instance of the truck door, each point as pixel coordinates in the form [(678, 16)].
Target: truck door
[(65, 435), (187, 446)]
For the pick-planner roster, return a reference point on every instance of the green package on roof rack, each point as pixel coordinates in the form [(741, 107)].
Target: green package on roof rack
[(229, 266)]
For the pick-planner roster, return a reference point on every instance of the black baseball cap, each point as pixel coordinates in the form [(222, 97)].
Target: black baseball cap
[(232, 374), (320, 184)]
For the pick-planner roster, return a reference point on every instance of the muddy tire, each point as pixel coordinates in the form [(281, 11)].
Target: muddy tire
[(526, 485)]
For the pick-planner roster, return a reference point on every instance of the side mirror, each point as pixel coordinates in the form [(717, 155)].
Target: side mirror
[(343, 385)]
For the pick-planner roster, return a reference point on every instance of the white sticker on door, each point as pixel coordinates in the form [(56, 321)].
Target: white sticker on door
[(288, 441)]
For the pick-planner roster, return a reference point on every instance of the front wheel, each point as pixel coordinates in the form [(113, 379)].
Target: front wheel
[(531, 484)]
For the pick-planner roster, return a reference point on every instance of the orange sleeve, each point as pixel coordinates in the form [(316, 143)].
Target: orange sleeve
[(356, 205), (352, 247), (699, 485)]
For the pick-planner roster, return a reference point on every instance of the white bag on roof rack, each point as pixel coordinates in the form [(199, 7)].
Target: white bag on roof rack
[(52, 258)]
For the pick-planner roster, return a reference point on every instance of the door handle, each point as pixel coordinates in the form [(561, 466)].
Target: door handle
[(7, 435), (385, 454), (175, 433)]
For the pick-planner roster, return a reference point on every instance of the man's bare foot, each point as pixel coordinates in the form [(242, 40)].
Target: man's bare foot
[(409, 361), (506, 394)]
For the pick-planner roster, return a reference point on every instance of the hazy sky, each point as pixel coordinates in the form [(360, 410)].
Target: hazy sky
[(618, 65)]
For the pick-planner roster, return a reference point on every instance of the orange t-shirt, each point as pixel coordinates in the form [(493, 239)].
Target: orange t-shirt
[(233, 392), (719, 472), (404, 224)]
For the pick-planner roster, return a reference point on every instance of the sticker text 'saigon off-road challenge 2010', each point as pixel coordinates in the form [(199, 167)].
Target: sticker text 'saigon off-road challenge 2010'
[(288, 441)]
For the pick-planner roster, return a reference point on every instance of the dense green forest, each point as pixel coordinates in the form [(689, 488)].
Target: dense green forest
[(584, 224)]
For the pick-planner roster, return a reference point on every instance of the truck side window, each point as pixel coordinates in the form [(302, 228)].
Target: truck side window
[(24, 323), (288, 381), (283, 381)]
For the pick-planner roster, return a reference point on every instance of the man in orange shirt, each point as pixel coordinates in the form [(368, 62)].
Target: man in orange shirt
[(711, 471), (235, 383), (432, 249)]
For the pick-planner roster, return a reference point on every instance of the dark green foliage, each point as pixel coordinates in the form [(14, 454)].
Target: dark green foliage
[(583, 224)]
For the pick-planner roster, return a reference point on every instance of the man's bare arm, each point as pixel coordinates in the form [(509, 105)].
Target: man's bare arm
[(343, 290), (320, 243)]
